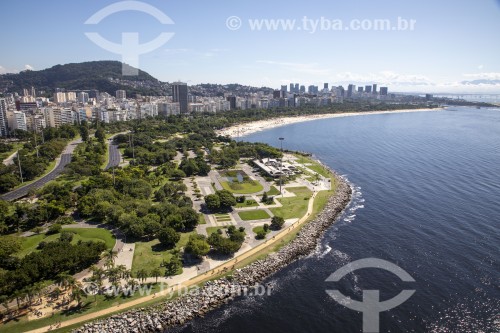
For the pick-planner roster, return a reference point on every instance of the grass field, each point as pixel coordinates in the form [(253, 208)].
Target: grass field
[(293, 207), (273, 191), (85, 234), (254, 215), (211, 230), (149, 255), (245, 187), (258, 229), (247, 203)]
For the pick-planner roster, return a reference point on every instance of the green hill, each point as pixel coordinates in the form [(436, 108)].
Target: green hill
[(105, 76)]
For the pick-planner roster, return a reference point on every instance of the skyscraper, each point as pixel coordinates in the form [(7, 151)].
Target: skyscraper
[(325, 86), (368, 89), (284, 88), (297, 89), (180, 95), (374, 91), (3, 117), (291, 87), (383, 91)]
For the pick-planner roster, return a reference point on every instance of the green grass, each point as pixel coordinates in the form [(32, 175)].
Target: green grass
[(149, 255), (260, 228), (293, 207), (247, 203), (211, 230), (313, 165), (273, 191), (201, 219), (254, 215), (245, 187), (85, 234)]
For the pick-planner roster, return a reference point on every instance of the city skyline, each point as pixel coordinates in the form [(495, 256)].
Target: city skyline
[(441, 54)]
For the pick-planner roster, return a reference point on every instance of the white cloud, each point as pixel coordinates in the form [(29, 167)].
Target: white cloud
[(4, 70), (483, 76), (480, 67), (28, 67), (384, 78)]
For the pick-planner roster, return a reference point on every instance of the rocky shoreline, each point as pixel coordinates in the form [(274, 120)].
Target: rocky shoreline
[(159, 318)]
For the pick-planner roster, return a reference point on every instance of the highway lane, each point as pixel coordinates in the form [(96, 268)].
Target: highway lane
[(64, 160)]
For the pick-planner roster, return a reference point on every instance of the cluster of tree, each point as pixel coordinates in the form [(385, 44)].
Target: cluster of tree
[(87, 159), (32, 165), (222, 200), (53, 258), (227, 245), (5, 147), (197, 245)]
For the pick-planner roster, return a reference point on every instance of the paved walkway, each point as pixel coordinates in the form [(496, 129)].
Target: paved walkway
[(243, 254)]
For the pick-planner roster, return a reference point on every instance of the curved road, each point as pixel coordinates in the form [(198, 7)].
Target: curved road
[(60, 164)]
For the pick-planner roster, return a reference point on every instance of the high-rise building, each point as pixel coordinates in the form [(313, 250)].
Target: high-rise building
[(121, 94), (3, 117), (60, 97), (325, 86), (180, 95), (25, 92), (297, 89), (374, 91), (302, 89), (33, 92), (383, 91), (360, 90), (276, 93), (284, 88), (368, 89), (17, 120), (292, 87), (83, 97), (232, 102), (350, 90)]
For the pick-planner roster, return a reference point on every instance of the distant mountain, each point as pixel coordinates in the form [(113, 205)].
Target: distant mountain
[(105, 76)]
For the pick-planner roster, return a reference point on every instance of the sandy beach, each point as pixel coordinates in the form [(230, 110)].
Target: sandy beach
[(256, 126)]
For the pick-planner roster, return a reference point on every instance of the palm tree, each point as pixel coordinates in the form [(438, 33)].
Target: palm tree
[(19, 295), (64, 280), (122, 271), (110, 255), (142, 274), (156, 273), (77, 292)]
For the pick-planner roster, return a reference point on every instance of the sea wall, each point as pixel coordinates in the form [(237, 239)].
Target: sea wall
[(159, 318)]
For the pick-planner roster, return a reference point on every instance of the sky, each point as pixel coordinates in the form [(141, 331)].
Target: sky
[(453, 46)]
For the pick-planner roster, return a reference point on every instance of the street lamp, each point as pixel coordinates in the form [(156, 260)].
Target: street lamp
[(281, 163)]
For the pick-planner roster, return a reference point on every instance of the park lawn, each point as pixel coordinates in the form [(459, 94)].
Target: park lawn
[(201, 219), (30, 244), (313, 165), (254, 215), (149, 255), (245, 187), (293, 207), (211, 230), (259, 228), (273, 191), (247, 203)]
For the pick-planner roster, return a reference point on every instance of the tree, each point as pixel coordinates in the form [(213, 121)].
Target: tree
[(142, 275), (100, 135), (261, 234), (168, 237), (110, 255), (173, 266), (156, 273), (265, 197), (277, 222), (84, 132), (54, 229), (8, 246), (213, 202), (197, 245), (227, 199)]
